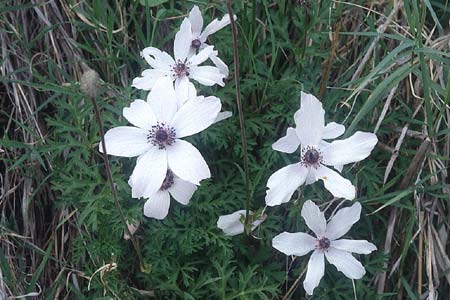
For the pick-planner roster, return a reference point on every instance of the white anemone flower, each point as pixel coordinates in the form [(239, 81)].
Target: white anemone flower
[(157, 205), (183, 67), (233, 224), (317, 154), (156, 138), (199, 36), (326, 243)]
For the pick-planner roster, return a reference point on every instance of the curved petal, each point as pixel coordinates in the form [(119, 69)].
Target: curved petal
[(333, 130), (342, 221), (183, 40), (125, 141), (182, 90), (315, 272), (196, 115), (297, 243), (314, 218), (202, 56), (231, 224), (283, 183), (215, 26), (223, 115), (288, 143), (182, 191), (148, 79), (163, 100), (207, 75), (346, 263), (195, 16), (353, 149), (149, 173), (158, 59), (220, 64), (157, 206), (355, 246), (186, 162), (335, 183), (310, 120), (140, 114)]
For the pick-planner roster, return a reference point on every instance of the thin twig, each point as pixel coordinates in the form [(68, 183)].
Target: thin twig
[(241, 113), (111, 182)]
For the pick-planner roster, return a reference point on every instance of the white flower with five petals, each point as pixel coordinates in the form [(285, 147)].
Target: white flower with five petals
[(156, 138), (326, 244), (183, 67), (157, 205), (317, 154), (200, 35)]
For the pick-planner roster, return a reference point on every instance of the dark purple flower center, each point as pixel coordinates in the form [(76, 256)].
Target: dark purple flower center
[(161, 135), (311, 157), (323, 243), (168, 181), (181, 68), (196, 44)]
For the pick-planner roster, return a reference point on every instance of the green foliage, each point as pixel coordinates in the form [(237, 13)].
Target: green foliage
[(284, 48)]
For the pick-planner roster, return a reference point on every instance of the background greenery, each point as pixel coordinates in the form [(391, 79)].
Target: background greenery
[(371, 62)]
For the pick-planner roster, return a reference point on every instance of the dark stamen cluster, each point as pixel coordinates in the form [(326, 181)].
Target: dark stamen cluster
[(311, 157), (180, 69), (323, 243), (161, 135), (168, 181), (196, 44)]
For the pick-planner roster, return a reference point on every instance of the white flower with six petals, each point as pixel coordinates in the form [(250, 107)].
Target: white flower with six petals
[(326, 244), (317, 154), (156, 139), (183, 67), (199, 36)]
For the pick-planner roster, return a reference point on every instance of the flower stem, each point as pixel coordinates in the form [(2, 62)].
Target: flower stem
[(241, 113), (111, 183)]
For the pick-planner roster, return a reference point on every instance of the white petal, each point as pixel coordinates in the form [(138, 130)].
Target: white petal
[(214, 26), (157, 206), (125, 141), (355, 246), (158, 59), (207, 75), (140, 114), (186, 162), (195, 16), (342, 221), (283, 183), (195, 115), (163, 100), (182, 191), (353, 149), (335, 183), (202, 56), (333, 130), (309, 119), (148, 79), (297, 243), (182, 90), (183, 40), (223, 115), (315, 272), (231, 224), (288, 143), (314, 218), (149, 173), (346, 263), (220, 64)]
